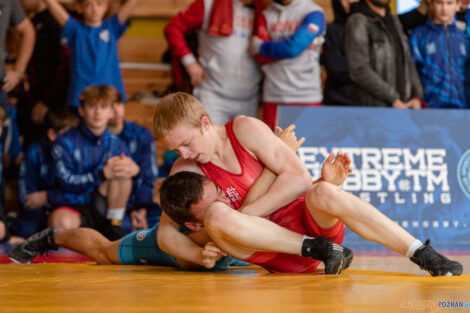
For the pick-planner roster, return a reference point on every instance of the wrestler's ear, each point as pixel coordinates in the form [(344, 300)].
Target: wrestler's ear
[(205, 122), (194, 226)]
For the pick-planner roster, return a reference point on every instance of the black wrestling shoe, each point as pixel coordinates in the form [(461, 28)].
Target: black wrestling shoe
[(335, 257), (435, 263), (37, 244)]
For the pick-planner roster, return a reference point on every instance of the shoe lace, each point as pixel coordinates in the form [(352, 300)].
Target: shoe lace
[(39, 244), (432, 258)]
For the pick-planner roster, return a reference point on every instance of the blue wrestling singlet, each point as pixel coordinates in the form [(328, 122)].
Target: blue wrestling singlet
[(141, 248)]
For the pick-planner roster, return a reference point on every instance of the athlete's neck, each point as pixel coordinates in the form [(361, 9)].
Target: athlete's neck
[(218, 137)]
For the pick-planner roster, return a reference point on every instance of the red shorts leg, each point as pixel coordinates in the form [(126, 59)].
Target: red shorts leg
[(297, 218)]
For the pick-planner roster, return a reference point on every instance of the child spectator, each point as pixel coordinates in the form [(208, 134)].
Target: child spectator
[(140, 142), (93, 183), (289, 35), (93, 44), (225, 77), (440, 51), (49, 66), (37, 181)]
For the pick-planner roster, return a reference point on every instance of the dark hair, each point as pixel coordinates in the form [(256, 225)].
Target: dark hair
[(99, 93), (59, 119), (178, 192)]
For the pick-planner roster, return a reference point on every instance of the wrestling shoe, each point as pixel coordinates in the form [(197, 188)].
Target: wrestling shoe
[(335, 257), (435, 263), (37, 244)]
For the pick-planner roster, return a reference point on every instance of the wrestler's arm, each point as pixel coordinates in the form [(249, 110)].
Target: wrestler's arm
[(267, 177), (169, 237), (292, 180), (335, 170)]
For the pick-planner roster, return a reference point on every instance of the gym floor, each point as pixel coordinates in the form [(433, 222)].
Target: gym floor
[(69, 282)]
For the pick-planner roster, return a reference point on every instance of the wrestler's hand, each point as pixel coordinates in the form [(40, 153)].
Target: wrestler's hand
[(288, 136), (211, 254), (336, 170)]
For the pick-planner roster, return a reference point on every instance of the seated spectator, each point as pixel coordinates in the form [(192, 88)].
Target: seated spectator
[(441, 52), (414, 18), (49, 66), (225, 77), (93, 44), (144, 213), (93, 184), (338, 84), (37, 181), (287, 42), (379, 59)]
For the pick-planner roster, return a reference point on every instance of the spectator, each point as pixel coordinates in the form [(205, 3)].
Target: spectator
[(12, 14), (338, 84), (225, 77), (289, 35), (93, 44), (441, 54), (379, 60), (415, 17), (140, 142), (89, 170), (37, 181), (49, 66)]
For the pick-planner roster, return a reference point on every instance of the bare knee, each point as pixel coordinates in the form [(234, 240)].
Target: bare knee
[(321, 195), (62, 219)]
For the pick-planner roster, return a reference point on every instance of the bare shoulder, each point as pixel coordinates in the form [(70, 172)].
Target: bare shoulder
[(242, 121), (182, 165), (249, 131)]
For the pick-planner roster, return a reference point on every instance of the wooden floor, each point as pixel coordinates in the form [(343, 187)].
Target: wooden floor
[(373, 284)]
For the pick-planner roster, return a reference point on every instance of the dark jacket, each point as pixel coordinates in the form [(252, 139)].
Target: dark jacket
[(140, 143), (338, 84), (371, 61)]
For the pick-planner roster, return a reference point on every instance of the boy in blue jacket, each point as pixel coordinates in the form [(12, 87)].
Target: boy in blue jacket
[(440, 52), (144, 213), (89, 166)]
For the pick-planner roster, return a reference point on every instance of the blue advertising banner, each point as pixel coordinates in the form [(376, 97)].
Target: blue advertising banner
[(414, 166)]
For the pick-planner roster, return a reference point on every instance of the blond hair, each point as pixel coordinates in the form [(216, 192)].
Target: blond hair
[(176, 108), (99, 93)]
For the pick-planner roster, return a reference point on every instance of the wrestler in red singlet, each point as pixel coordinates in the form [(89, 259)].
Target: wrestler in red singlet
[(294, 216)]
